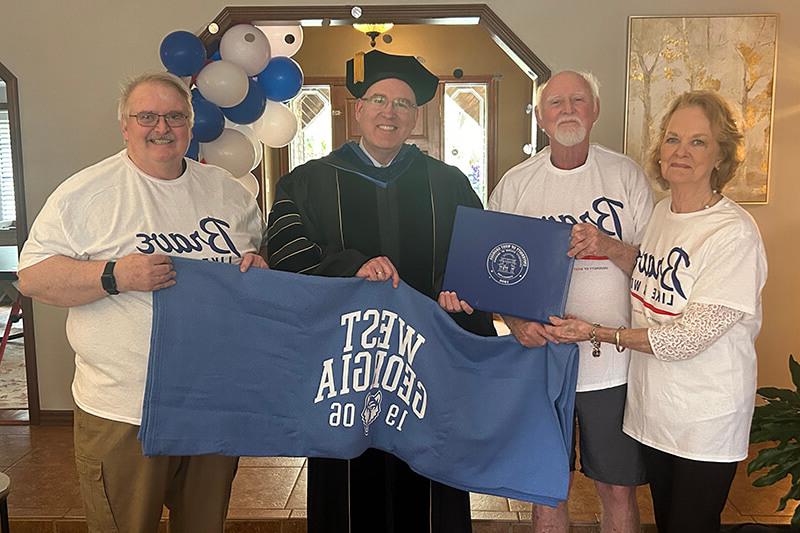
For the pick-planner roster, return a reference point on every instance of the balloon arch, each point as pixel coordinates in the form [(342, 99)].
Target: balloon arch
[(239, 93)]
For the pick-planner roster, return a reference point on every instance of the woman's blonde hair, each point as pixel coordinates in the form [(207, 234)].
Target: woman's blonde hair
[(723, 125)]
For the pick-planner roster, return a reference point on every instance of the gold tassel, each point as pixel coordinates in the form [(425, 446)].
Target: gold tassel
[(358, 67)]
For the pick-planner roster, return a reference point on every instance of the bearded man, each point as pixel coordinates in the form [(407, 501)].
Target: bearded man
[(607, 198)]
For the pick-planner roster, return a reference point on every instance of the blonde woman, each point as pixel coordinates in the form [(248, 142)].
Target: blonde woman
[(696, 310)]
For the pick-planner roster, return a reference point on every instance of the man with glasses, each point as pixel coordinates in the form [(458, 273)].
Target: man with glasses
[(381, 210), (100, 246)]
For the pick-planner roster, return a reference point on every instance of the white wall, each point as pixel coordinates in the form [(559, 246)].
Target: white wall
[(69, 58)]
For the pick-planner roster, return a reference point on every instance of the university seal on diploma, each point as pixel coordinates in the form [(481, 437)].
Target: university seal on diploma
[(507, 263)]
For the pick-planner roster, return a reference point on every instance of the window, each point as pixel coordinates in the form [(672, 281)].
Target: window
[(7, 208), (314, 137), (466, 132)]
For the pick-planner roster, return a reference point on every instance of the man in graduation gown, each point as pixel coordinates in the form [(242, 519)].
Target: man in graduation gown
[(381, 210)]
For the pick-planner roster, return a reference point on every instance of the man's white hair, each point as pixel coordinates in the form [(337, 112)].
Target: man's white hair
[(590, 79), (164, 78)]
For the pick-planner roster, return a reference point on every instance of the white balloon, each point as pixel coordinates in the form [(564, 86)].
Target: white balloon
[(277, 126), (251, 134), (244, 45), (249, 182), (232, 151), (223, 83), (283, 40)]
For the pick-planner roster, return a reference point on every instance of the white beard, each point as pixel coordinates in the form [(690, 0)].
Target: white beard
[(570, 136)]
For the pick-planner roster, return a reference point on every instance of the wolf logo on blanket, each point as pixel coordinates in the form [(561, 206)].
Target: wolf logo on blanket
[(372, 408)]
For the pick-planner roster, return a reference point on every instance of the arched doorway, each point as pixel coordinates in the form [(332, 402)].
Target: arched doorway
[(334, 18)]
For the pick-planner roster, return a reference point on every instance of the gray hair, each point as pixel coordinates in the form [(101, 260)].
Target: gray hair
[(164, 78), (590, 79)]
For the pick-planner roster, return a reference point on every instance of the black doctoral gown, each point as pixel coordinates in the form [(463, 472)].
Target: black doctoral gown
[(330, 216)]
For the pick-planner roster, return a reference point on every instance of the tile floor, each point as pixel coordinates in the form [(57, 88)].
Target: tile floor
[(269, 493)]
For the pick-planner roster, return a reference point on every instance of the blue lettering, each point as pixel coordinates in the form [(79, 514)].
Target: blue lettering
[(674, 259), (214, 236), (606, 219), (667, 275), (148, 246), (197, 240), (220, 226), (605, 208), (167, 246), (182, 243)]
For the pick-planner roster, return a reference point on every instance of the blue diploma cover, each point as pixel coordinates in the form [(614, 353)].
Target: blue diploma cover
[(509, 264)]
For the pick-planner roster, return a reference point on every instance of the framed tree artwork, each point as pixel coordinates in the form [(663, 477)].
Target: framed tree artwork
[(733, 55)]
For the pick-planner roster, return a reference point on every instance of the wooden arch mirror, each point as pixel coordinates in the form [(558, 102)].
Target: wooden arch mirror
[(13, 234)]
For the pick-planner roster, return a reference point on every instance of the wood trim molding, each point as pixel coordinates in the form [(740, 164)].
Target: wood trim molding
[(31, 372), (493, 96), (334, 15), (55, 418)]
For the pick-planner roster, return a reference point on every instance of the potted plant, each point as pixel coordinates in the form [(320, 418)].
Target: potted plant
[(778, 421)]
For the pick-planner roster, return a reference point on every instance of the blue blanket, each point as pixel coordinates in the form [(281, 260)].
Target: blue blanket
[(271, 363)]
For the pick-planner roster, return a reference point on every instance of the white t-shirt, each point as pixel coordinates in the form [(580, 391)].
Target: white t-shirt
[(698, 408), (610, 191), (113, 209)]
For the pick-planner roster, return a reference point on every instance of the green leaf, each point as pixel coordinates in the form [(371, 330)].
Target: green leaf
[(794, 368), (773, 412), (770, 456), (778, 421), (768, 479), (775, 474), (793, 494), (786, 431), (775, 408), (774, 393)]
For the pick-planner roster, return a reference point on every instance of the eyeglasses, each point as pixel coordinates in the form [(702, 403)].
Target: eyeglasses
[(400, 105), (148, 119)]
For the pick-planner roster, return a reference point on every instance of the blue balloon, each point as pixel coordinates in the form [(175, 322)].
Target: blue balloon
[(251, 108), (194, 150), (215, 56), (281, 79), (183, 53), (208, 120)]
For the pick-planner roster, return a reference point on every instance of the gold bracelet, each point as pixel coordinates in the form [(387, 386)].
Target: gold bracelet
[(616, 339), (594, 340)]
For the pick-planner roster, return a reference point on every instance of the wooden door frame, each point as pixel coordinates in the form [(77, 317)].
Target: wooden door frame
[(337, 15), (491, 125), (31, 375)]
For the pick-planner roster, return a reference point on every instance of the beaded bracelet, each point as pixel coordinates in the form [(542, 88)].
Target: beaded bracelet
[(594, 340)]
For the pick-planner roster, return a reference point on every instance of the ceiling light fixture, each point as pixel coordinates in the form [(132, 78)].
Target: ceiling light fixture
[(373, 30)]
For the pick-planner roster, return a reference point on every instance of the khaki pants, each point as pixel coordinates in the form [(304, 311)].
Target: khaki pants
[(123, 491)]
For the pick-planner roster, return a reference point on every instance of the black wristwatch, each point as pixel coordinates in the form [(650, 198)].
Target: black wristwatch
[(108, 280)]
